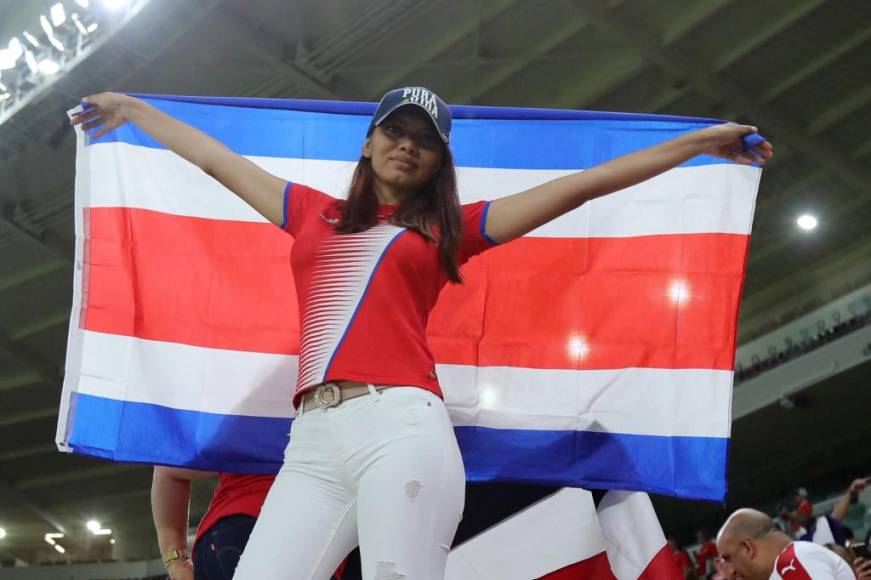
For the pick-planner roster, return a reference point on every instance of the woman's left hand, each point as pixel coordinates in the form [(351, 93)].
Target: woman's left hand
[(726, 141)]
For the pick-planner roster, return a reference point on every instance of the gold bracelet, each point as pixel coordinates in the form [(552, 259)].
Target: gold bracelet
[(174, 556)]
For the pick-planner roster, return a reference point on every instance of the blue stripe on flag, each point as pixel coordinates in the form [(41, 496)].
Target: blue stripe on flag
[(690, 467), (518, 139)]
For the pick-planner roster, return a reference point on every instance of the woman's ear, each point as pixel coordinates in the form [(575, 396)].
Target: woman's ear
[(367, 148)]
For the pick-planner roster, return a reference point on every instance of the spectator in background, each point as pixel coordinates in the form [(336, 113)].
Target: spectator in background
[(681, 558), (801, 517), (706, 554), (223, 532), (848, 509)]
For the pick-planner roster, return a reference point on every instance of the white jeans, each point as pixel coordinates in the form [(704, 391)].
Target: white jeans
[(382, 470)]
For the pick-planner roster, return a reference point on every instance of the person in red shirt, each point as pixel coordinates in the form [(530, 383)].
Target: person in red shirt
[(223, 531), (373, 459), (681, 558), (706, 554), (801, 518)]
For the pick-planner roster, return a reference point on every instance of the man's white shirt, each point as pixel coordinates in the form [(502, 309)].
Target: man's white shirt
[(806, 560)]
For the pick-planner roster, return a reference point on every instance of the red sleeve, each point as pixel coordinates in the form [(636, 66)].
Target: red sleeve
[(300, 201), (474, 239)]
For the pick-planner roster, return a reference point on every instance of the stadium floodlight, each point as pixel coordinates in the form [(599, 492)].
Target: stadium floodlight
[(16, 48), (7, 59), (48, 66), (31, 39), (78, 22), (9, 56), (57, 43), (62, 40), (46, 26), (807, 222), (31, 62), (52, 537), (58, 14)]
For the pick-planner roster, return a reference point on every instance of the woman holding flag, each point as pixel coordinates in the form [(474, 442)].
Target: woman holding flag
[(373, 458)]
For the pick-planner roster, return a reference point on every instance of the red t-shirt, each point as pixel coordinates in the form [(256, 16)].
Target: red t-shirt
[(365, 298), (235, 495), (805, 507), (682, 560), (708, 551)]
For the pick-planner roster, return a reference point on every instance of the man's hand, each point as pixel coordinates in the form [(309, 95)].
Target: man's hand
[(862, 568), (858, 485)]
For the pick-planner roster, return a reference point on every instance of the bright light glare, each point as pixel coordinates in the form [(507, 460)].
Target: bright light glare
[(2, 533), (4, 96), (83, 3), (7, 59), (51, 537), (577, 347), (93, 525), (31, 39), (112, 541), (114, 4), (807, 222), (92, 27), (48, 67), (488, 397), (103, 532), (15, 47), (58, 15), (3, 87), (679, 292), (60, 548)]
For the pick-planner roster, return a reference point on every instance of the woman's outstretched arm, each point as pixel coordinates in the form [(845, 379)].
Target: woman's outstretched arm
[(260, 189), (513, 216)]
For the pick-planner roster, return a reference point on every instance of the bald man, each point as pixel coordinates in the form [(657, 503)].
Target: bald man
[(752, 547)]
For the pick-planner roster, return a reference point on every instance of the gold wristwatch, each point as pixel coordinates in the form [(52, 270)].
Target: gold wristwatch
[(173, 556)]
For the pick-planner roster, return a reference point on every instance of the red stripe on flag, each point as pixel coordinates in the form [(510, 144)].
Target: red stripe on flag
[(595, 568), (662, 567), (656, 301)]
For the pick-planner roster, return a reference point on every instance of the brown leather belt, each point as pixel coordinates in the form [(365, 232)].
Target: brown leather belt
[(331, 394)]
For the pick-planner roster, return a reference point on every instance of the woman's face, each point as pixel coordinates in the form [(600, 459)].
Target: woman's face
[(406, 151)]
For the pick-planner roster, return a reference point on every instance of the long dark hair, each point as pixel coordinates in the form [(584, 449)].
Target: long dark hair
[(434, 206)]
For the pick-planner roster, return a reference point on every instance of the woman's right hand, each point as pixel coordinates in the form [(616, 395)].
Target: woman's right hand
[(106, 110)]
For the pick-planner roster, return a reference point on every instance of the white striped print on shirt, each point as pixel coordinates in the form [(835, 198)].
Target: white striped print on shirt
[(343, 270)]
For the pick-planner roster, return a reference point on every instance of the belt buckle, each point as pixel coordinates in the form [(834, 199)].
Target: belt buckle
[(328, 395)]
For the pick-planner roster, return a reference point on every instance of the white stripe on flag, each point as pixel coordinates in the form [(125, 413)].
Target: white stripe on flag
[(631, 532), (715, 198), (556, 532), (212, 380)]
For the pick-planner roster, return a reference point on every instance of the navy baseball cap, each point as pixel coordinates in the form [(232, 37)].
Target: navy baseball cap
[(431, 103)]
